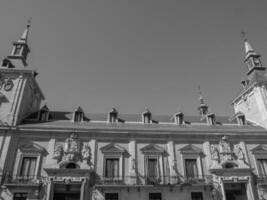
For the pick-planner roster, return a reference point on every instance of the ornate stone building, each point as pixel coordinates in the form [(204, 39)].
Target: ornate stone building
[(53, 155)]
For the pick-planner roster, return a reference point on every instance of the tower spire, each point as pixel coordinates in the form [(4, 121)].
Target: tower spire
[(24, 36), (252, 59), (203, 108), (19, 54)]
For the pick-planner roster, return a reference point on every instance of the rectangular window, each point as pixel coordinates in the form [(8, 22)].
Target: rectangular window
[(20, 196), (191, 170), (154, 196), (28, 167), (112, 168), (111, 196), (152, 167), (262, 165), (196, 196), (17, 50)]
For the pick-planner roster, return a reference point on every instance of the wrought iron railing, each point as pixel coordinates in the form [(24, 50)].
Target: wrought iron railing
[(25, 180), (149, 180), (262, 179)]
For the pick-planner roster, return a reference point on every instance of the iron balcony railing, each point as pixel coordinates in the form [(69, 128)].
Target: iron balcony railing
[(149, 180), (262, 179), (25, 180)]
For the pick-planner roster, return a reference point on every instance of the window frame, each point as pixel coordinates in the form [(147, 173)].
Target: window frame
[(29, 150), (112, 193), (202, 198), (21, 193), (192, 152), (119, 169), (114, 151), (259, 152), (150, 193)]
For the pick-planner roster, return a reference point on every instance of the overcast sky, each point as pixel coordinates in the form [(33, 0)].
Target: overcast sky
[(138, 53)]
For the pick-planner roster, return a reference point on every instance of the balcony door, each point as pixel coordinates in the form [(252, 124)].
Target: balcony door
[(28, 167)]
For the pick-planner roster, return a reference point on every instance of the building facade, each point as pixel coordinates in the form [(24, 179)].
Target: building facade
[(52, 155)]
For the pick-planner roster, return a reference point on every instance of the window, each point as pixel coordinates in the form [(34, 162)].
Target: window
[(152, 170), (71, 166), (28, 167), (196, 196), (20, 196), (154, 196), (111, 196), (17, 50), (262, 166), (211, 119), (43, 115), (113, 116), (241, 120), (112, 168), (191, 170), (78, 116), (146, 117), (179, 118)]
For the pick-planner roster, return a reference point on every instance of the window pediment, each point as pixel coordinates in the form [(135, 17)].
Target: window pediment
[(32, 148), (190, 149), (260, 149), (152, 149), (113, 149)]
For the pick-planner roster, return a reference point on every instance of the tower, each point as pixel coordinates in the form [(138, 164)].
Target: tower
[(20, 94), (203, 108), (252, 100)]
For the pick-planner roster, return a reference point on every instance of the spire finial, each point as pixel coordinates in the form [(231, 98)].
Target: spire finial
[(203, 108), (200, 95), (29, 22), (243, 34)]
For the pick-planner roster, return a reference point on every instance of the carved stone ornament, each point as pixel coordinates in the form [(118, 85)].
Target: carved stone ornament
[(72, 148), (225, 149), (86, 153), (8, 84), (58, 152), (71, 151), (214, 152), (239, 152), (224, 145)]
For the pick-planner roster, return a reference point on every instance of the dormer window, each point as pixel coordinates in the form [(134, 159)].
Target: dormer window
[(241, 120), (78, 115), (43, 114), (146, 117), (6, 63), (179, 118), (113, 116), (211, 119)]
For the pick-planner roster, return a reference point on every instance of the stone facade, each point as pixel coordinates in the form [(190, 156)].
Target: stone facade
[(52, 155)]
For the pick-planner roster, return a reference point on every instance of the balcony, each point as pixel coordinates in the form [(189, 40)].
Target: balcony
[(197, 179), (159, 180), (262, 180), (22, 181)]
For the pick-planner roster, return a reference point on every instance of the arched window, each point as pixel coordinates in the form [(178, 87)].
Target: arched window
[(71, 166)]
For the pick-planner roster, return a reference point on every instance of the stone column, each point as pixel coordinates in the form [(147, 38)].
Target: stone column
[(132, 162), (82, 197), (50, 190), (206, 150), (4, 151), (93, 146), (51, 146), (172, 162), (242, 144)]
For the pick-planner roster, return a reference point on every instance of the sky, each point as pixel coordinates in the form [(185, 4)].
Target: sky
[(100, 54)]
